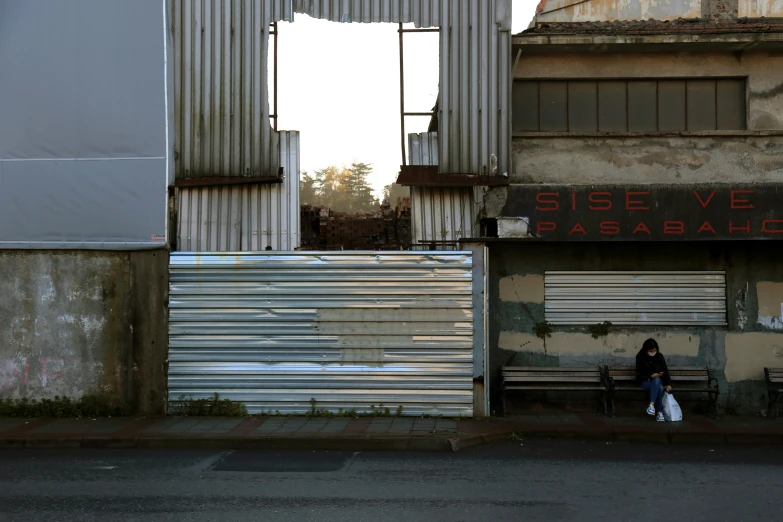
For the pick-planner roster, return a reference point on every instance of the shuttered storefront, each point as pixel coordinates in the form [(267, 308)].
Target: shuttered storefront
[(349, 330), (636, 298)]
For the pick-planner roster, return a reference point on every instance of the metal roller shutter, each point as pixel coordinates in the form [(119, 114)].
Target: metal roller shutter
[(349, 330), (636, 298)]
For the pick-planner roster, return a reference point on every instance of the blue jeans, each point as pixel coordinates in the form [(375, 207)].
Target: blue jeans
[(655, 387)]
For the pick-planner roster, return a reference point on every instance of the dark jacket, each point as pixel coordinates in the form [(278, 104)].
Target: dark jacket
[(646, 366)]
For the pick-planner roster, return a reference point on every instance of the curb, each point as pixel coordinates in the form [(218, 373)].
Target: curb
[(236, 443), (424, 444)]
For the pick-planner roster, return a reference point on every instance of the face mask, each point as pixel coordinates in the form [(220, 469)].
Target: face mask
[(651, 354)]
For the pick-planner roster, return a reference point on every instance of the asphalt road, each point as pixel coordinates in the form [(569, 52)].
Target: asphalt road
[(517, 480)]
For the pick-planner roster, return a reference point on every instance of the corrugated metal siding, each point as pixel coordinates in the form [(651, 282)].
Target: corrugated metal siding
[(636, 298), (475, 65), (221, 94), (350, 329), (221, 102), (437, 214), (441, 214), (422, 13), (243, 217)]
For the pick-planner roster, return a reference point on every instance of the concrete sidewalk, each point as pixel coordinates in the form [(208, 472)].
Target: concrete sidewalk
[(373, 433)]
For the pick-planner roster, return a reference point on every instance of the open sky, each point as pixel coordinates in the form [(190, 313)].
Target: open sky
[(338, 84)]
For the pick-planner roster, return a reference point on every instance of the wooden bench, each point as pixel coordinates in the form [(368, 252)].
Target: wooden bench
[(576, 379), (685, 379), (774, 389)]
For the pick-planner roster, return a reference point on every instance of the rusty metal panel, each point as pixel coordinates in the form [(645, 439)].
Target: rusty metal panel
[(244, 217), (636, 298), (348, 329), (437, 213)]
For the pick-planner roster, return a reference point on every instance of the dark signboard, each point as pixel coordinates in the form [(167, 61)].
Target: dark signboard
[(648, 212)]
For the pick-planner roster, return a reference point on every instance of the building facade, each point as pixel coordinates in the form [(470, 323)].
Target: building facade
[(646, 191)]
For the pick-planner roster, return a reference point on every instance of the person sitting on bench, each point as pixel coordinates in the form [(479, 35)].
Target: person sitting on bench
[(652, 374)]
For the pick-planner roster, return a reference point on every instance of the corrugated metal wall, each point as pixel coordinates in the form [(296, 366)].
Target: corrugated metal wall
[(441, 214), (221, 102), (243, 217), (423, 13), (437, 214), (347, 329), (221, 94), (636, 298)]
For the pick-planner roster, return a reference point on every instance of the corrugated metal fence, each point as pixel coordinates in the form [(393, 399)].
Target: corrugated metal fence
[(348, 329), (636, 298)]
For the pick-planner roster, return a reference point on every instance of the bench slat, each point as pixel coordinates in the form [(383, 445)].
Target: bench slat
[(561, 372), (555, 388), (551, 369), (552, 379)]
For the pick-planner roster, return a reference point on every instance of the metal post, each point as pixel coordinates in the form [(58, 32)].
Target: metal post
[(402, 99), (274, 124)]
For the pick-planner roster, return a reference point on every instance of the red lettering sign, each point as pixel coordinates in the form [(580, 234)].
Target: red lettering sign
[(706, 227), (740, 202), (553, 204), (545, 226), (605, 204), (673, 227), (704, 203), (641, 227), (578, 228), (767, 230), (635, 204), (573, 200), (732, 228), (610, 228)]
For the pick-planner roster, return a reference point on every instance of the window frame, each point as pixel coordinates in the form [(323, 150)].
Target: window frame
[(627, 80)]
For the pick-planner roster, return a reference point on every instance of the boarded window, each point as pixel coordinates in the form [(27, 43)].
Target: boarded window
[(582, 107), (612, 105), (636, 298), (553, 98), (671, 106), (525, 101), (629, 105)]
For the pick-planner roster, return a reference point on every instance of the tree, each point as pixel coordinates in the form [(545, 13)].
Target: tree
[(307, 192), (345, 189), (357, 188), (327, 186)]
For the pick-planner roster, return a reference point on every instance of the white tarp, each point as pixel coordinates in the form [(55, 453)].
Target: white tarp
[(84, 144)]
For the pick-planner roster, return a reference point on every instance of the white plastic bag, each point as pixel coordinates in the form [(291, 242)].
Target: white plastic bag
[(671, 410)]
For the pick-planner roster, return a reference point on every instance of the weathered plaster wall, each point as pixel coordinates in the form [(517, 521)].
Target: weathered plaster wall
[(736, 354), (648, 159), (610, 10), (719, 9), (84, 322), (755, 155), (759, 8)]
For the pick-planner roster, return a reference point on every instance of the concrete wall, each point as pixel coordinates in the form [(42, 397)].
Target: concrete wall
[(748, 156), (736, 354), (84, 322)]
